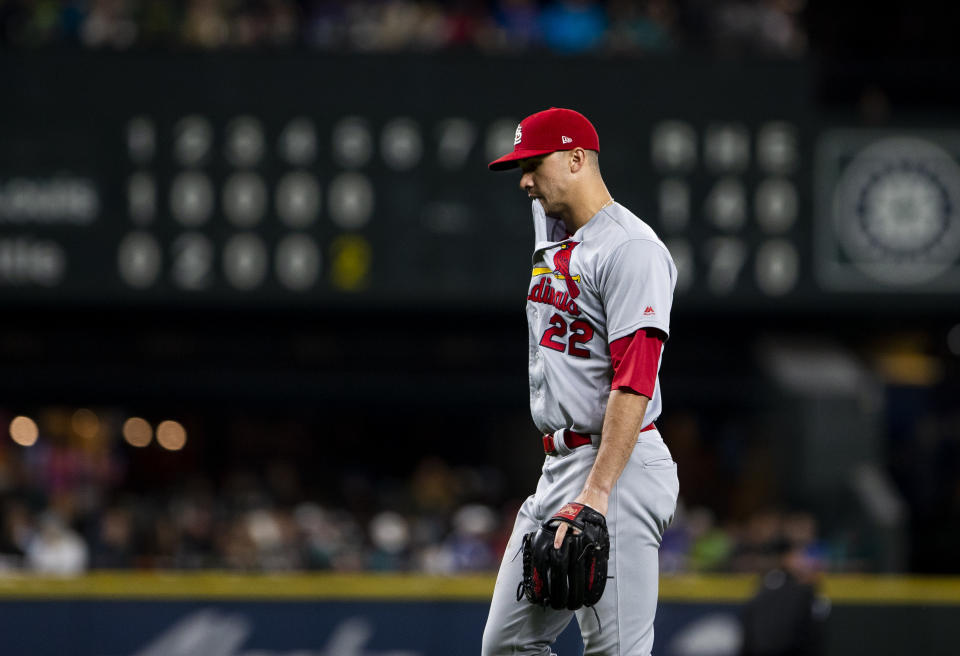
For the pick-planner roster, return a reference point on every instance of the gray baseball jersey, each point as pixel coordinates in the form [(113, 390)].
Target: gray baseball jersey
[(608, 280)]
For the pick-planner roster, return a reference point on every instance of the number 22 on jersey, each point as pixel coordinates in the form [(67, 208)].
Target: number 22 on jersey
[(581, 332)]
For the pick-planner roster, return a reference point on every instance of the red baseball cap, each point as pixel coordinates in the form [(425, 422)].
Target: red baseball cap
[(547, 132)]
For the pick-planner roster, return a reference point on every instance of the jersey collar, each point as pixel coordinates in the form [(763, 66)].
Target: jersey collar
[(555, 232)]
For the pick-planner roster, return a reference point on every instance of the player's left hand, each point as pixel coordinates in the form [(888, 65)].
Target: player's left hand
[(589, 497)]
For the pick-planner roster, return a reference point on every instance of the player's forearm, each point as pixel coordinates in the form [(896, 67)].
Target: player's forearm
[(621, 425)]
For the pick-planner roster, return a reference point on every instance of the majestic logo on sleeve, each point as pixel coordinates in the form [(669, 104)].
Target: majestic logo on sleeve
[(544, 292)]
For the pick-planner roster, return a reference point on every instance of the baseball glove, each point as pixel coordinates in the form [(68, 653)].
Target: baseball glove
[(573, 575)]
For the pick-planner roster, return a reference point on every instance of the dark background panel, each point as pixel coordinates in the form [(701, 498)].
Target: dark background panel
[(443, 231)]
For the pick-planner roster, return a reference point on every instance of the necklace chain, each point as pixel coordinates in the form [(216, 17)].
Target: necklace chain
[(607, 204)]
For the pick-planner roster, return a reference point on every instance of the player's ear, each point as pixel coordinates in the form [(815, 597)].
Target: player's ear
[(577, 159)]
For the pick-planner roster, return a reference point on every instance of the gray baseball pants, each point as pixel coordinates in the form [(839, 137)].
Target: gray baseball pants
[(642, 504)]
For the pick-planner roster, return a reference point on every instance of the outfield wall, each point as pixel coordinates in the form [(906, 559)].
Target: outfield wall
[(210, 614)]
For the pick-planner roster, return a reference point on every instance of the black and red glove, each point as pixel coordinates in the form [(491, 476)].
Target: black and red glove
[(573, 575)]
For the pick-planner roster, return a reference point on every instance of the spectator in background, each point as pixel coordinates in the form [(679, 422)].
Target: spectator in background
[(711, 545), (781, 29), (56, 549), (466, 23), (786, 616), (205, 25), (109, 24), (113, 543), (284, 22), (516, 24), (324, 24), (573, 26), (272, 534), (761, 542), (760, 27), (470, 544), (800, 532), (390, 538), (193, 519), (16, 529), (330, 540), (392, 25), (642, 27), (250, 25)]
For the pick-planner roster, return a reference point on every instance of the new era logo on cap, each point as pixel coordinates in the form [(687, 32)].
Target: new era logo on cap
[(547, 132)]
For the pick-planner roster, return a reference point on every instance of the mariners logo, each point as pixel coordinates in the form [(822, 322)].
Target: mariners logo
[(897, 210)]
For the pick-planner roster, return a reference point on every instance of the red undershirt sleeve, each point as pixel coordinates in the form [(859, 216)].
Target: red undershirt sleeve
[(636, 359)]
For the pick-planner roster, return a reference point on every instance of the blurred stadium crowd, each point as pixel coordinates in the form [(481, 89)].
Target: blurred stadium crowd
[(72, 502), (622, 27)]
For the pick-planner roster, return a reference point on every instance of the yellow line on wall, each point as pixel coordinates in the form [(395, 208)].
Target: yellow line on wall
[(841, 589), (712, 588), (222, 585), (892, 589)]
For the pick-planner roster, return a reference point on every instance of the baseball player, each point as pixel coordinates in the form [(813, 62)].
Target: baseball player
[(598, 312)]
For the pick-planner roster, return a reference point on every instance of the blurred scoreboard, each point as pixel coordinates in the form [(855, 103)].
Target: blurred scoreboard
[(303, 180)]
